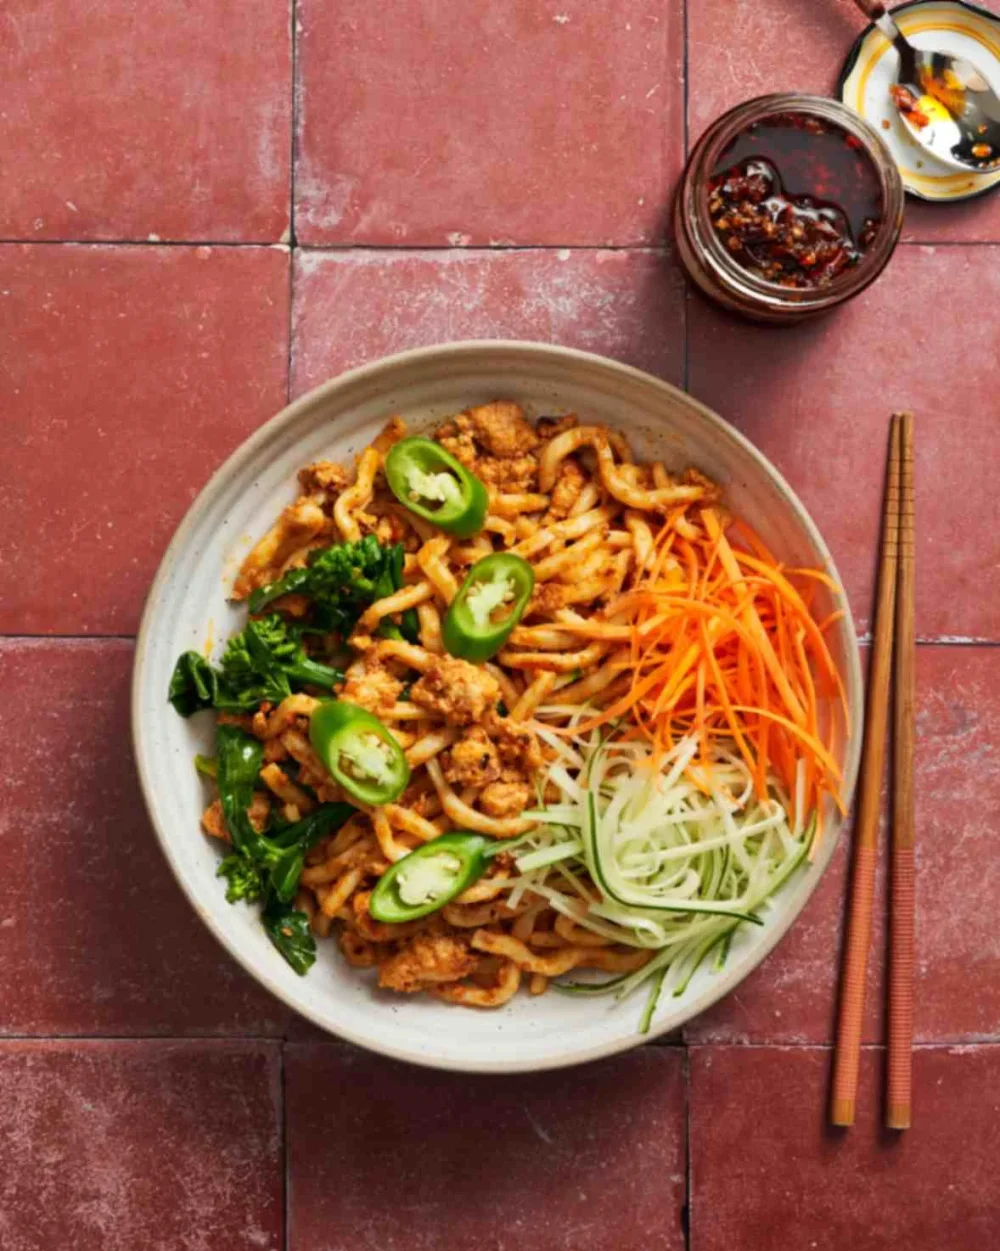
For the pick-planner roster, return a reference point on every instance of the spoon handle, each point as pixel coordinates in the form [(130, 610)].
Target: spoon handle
[(879, 14)]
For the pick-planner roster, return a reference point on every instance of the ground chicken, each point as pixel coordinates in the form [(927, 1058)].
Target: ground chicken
[(457, 690), (426, 960), (459, 442), (546, 598), (513, 475), (506, 798), (473, 761), (324, 475), (500, 427), (370, 685), (566, 491), (517, 746)]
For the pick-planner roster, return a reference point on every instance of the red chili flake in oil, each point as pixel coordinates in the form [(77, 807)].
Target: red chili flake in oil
[(795, 200)]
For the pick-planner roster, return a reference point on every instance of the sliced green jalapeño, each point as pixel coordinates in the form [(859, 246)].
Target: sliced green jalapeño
[(430, 482), (360, 752), (429, 877), (489, 604)]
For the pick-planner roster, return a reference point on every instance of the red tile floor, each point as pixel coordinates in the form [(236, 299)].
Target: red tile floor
[(208, 207)]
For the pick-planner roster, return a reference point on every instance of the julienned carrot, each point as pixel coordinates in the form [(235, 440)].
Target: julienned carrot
[(718, 641)]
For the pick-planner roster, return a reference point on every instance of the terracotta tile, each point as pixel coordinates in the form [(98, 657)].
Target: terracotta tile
[(792, 997), (351, 307), (524, 123), (958, 870), (737, 51), (816, 400), (128, 374), (156, 122), (768, 1175), (111, 1146), (95, 937), (383, 1155)]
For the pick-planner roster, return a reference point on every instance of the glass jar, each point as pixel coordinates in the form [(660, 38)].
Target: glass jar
[(713, 268)]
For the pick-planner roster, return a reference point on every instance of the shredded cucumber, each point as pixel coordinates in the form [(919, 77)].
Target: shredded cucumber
[(670, 858)]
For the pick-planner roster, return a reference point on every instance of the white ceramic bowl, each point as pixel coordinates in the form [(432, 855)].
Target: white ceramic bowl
[(187, 603)]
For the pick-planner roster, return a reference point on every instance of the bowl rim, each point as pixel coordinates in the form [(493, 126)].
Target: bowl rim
[(246, 452)]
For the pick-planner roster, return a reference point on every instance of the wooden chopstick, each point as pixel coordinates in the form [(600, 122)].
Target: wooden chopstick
[(897, 1104), (859, 923)]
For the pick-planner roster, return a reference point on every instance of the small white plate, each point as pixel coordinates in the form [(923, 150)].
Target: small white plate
[(950, 26), (187, 604)]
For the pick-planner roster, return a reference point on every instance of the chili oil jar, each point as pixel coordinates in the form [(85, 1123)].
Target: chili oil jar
[(789, 205)]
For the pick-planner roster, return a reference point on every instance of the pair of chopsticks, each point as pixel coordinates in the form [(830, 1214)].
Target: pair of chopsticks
[(894, 633)]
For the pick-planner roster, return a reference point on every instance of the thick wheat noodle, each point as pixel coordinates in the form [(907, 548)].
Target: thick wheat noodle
[(512, 505), (471, 550), (270, 725), (563, 959), (472, 916), (594, 565), (588, 590), (300, 556), (613, 481), (510, 686), (619, 539), (485, 889), (569, 555), (298, 524), (427, 747), (585, 501), (571, 528), (498, 525), (642, 537), (468, 818), (538, 984), (430, 627), (392, 850), (278, 781), (339, 893), (301, 750), (540, 686), (508, 983), (405, 711), (408, 597), (589, 686), (525, 923), (577, 936), (411, 655), (357, 496), (411, 822), (542, 638), (557, 662), (430, 559)]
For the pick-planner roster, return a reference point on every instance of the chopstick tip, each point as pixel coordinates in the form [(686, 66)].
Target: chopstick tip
[(897, 1116), (842, 1113)]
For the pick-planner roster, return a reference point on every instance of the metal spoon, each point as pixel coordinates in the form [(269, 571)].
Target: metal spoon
[(944, 101)]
